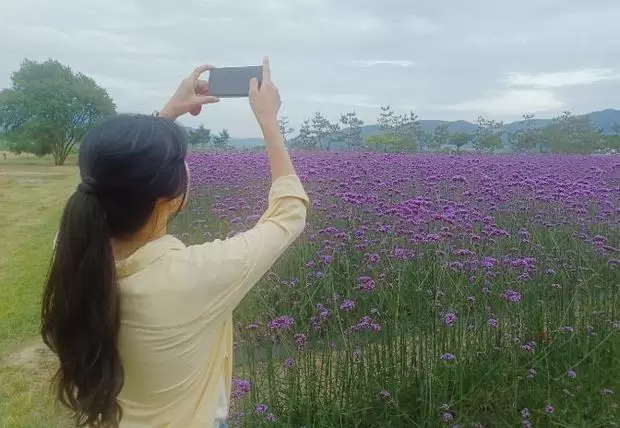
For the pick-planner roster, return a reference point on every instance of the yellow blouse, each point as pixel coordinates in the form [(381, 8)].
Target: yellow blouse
[(176, 310)]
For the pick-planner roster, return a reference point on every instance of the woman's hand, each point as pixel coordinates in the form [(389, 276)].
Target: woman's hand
[(190, 96), (265, 101)]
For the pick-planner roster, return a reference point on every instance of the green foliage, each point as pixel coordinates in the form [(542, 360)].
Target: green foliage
[(488, 136), (440, 136), (402, 133), (285, 129), (352, 132), (460, 139), (322, 130), (571, 134), (317, 133), (305, 138), (385, 143), (221, 140), (199, 136), (526, 138), (611, 143), (49, 108)]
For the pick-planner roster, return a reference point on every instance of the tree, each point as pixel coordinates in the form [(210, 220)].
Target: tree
[(323, 131), (440, 137), (409, 130), (381, 142), (572, 134), (305, 138), (488, 135), (611, 143), (285, 129), (352, 133), (200, 136), (401, 132), (525, 138), (49, 108), (220, 141), (460, 139)]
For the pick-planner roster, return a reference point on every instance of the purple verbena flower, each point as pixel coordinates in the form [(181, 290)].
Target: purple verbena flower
[(282, 323), (512, 296), (450, 318), (240, 388), (347, 305), (447, 417), (366, 283), (300, 340)]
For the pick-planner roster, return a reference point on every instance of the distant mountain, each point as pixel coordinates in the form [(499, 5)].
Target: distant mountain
[(604, 120), (427, 126)]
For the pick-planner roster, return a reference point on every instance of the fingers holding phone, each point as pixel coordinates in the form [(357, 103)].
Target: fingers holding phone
[(227, 82), (265, 97), (190, 96)]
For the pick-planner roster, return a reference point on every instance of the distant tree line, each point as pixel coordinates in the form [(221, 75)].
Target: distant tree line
[(566, 133), (201, 137), (48, 108)]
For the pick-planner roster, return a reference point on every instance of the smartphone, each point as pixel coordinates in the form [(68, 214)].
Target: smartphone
[(233, 82)]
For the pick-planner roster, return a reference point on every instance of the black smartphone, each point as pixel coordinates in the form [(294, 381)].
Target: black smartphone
[(233, 82)]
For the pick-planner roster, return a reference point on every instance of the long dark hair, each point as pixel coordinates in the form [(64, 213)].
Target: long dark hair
[(127, 163)]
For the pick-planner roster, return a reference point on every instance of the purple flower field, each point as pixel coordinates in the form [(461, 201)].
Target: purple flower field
[(427, 290)]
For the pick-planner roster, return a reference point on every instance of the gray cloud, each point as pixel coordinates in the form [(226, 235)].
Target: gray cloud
[(445, 59)]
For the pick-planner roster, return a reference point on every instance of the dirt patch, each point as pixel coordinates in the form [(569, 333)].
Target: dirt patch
[(33, 356)]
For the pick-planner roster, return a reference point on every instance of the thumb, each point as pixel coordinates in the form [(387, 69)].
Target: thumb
[(253, 85), (207, 99)]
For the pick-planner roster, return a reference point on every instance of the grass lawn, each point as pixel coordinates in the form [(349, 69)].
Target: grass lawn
[(32, 194)]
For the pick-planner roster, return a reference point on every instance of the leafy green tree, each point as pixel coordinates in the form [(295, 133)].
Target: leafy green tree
[(48, 108), (572, 134), (352, 132), (285, 129), (305, 139), (611, 143), (525, 138), (460, 139), (200, 136), (381, 142), (409, 130), (488, 135), (323, 131), (401, 132), (221, 140), (440, 136)]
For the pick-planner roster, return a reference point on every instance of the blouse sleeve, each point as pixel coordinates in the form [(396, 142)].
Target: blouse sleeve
[(233, 266)]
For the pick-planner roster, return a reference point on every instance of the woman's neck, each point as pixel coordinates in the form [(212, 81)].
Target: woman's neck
[(123, 248)]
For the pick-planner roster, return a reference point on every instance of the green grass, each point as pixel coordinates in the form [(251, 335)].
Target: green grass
[(32, 193)]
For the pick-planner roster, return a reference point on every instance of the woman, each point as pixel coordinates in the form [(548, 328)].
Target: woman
[(142, 324)]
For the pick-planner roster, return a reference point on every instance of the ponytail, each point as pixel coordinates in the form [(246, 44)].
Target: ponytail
[(81, 314)]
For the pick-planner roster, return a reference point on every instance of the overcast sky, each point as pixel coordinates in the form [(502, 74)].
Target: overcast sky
[(443, 59)]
